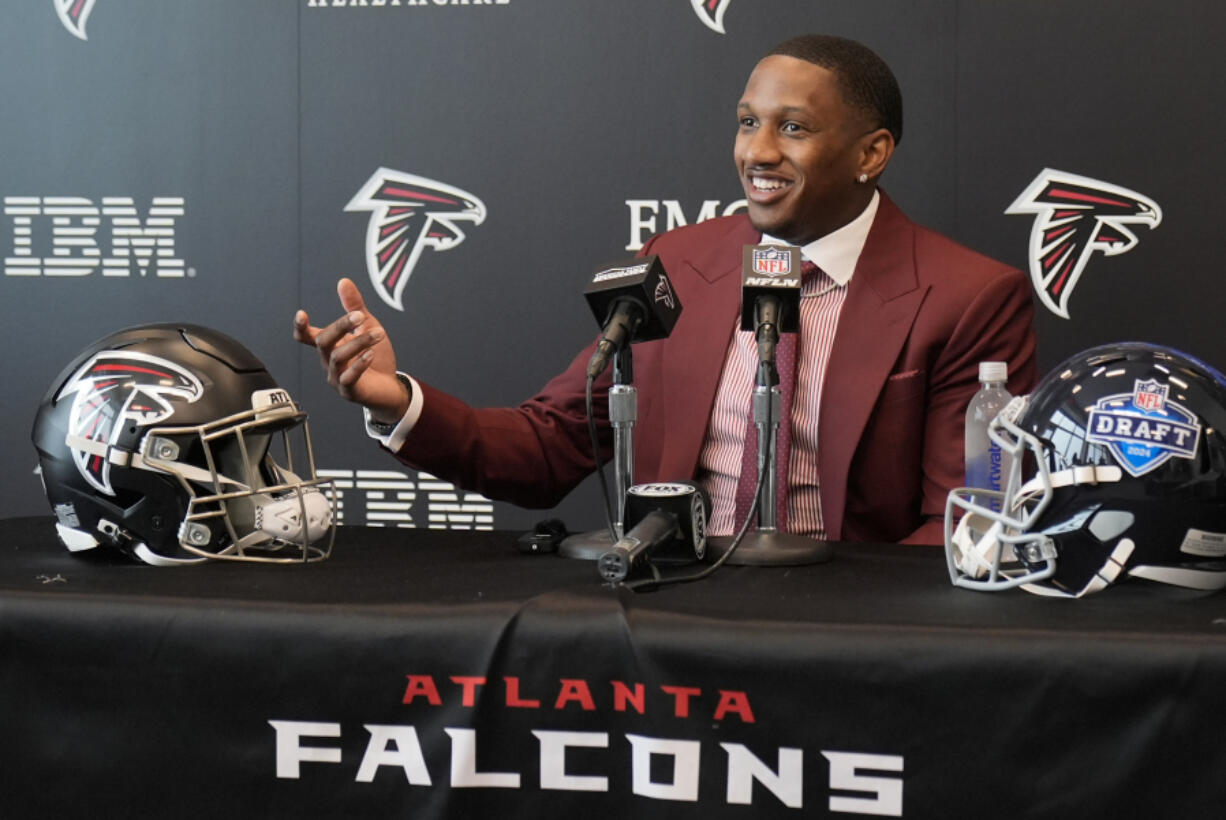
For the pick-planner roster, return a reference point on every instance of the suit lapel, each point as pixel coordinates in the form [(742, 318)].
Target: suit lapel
[(882, 300), (695, 355)]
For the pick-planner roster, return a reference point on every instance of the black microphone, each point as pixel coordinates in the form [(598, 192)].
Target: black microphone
[(667, 522), (770, 299), (634, 302)]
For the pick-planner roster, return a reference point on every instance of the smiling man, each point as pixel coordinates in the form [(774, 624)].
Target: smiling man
[(894, 322)]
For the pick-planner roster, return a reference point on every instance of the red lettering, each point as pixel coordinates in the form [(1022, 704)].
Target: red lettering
[(682, 695), (736, 703), (513, 698), (422, 685), (469, 685), (575, 690), (622, 696)]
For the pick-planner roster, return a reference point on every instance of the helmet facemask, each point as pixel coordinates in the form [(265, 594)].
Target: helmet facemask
[(984, 550), (247, 501)]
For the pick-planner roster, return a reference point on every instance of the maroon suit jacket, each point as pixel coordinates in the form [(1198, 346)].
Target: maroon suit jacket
[(921, 312)]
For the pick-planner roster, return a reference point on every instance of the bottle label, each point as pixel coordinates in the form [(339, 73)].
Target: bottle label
[(987, 472)]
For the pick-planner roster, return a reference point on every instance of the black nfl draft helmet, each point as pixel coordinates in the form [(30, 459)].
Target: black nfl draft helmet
[(1118, 471)]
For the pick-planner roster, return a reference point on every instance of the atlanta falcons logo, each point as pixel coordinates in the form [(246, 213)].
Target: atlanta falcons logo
[(114, 389), (1076, 216), (73, 14), (711, 13), (409, 213)]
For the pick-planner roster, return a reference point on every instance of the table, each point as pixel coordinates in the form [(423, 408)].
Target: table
[(427, 673)]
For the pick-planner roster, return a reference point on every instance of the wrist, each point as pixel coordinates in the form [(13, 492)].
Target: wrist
[(384, 420)]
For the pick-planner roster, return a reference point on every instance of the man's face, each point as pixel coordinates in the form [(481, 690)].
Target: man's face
[(798, 151)]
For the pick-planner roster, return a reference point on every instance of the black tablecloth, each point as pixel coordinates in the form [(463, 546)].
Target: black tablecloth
[(349, 688)]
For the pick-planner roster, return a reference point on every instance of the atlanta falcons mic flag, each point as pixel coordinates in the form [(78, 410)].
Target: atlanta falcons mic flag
[(634, 302)]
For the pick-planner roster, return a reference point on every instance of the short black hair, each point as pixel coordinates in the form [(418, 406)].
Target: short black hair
[(864, 78)]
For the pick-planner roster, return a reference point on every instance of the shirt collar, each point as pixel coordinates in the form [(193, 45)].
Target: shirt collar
[(837, 252)]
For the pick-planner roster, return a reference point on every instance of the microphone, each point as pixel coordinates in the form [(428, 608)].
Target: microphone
[(634, 302), (669, 523), (770, 299)]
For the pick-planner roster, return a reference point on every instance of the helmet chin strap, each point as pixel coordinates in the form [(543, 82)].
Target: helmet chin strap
[(302, 514), (150, 557), (1207, 579), (977, 557), (1106, 575)]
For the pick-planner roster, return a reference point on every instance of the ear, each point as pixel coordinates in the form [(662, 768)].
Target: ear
[(876, 148)]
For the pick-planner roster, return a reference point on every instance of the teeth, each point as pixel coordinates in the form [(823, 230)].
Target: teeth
[(767, 184)]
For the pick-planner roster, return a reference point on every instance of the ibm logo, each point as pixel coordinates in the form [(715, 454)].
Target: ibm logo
[(386, 498), (75, 223)]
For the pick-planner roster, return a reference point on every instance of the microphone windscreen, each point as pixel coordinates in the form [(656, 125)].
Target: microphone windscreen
[(684, 499), (774, 270), (644, 281)]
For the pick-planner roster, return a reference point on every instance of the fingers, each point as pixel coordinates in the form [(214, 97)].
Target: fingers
[(350, 296), (354, 346), (353, 352), (303, 332), (354, 370), (350, 347), (335, 333)]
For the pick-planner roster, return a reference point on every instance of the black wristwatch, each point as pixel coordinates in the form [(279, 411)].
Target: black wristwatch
[(380, 427)]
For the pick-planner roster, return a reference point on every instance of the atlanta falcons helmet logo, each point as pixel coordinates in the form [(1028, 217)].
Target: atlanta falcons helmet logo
[(115, 389), (409, 213), (1076, 216), (73, 14), (711, 13)]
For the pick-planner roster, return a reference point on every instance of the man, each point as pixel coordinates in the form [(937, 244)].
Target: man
[(895, 320)]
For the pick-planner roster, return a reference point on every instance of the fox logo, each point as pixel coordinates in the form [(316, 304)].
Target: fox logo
[(409, 213), (115, 389), (711, 13), (73, 14), (1076, 216)]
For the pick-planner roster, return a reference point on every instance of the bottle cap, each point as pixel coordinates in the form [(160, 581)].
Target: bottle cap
[(993, 371)]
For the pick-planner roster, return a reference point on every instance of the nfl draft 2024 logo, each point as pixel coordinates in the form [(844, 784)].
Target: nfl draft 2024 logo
[(1076, 216), (1144, 429), (711, 13), (73, 14), (408, 214)]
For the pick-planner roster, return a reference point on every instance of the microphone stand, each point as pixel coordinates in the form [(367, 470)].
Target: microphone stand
[(766, 545), (623, 413)]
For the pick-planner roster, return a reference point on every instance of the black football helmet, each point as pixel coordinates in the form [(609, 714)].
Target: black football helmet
[(171, 444), (1118, 470)]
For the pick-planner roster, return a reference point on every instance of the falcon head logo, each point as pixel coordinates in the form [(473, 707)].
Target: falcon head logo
[(116, 389), (711, 13), (73, 14), (409, 213), (664, 293), (1076, 216)]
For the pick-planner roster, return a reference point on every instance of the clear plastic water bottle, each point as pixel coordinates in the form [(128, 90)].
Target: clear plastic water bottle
[(986, 466)]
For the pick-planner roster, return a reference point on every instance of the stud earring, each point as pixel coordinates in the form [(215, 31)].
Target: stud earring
[(863, 178)]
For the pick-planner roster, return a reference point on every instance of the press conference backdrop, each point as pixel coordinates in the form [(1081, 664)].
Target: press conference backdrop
[(223, 162)]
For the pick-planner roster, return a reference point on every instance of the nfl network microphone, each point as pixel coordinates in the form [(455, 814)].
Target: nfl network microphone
[(634, 302), (666, 521), (770, 295)]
